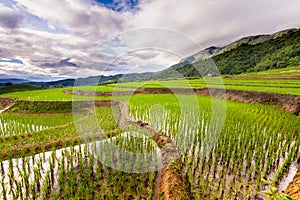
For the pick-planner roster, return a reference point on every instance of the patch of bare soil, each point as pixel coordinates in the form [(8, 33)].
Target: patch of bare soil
[(293, 190), (5, 103)]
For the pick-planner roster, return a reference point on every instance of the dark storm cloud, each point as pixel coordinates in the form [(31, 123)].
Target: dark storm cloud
[(62, 63)]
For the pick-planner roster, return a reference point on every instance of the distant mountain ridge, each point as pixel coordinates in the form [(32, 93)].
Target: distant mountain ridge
[(92, 80), (248, 54), (249, 40), (12, 80)]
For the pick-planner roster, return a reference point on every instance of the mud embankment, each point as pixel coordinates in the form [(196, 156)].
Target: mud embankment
[(5, 102), (287, 102), (171, 184), (48, 107), (293, 190)]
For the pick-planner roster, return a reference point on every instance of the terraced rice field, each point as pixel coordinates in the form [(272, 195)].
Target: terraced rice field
[(162, 146)]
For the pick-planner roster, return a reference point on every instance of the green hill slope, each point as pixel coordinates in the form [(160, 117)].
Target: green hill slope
[(18, 88), (250, 54)]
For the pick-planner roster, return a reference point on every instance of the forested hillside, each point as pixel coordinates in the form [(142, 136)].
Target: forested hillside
[(279, 51)]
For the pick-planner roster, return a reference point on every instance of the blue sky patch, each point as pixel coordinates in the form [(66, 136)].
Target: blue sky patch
[(119, 5), (17, 61)]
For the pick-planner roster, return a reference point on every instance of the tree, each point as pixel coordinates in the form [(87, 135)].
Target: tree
[(8, 83)]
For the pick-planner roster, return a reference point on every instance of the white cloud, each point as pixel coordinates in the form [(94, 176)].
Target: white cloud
[(49, 31), (213, 22), (9, 18)]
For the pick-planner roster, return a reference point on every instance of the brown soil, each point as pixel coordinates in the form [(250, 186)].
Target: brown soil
[(172, 185), (293, 190), (287, 102), (5, 102)]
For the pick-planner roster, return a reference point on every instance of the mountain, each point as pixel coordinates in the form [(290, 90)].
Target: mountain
[(12, 80), (92, 80), (248, 54), (206, 53), (136, 77), (250, 40), (98, 80), (65, 82)]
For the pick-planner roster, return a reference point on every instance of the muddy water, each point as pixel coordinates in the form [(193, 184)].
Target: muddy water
[(109, 153), (43, 161), (39, 161), (289, 176), (7, 130)]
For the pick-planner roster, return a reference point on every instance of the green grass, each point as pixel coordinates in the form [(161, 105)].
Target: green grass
[(14, 124), (253, 140), (285, 81), (18, 88), (21, 106), (293, 91), (56, 127), (48, 95), (101, 89), (288, 72), (246, 150), (274, 86), (40, 95)]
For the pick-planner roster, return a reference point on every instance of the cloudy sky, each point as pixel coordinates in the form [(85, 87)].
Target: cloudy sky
[(56, 39)]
